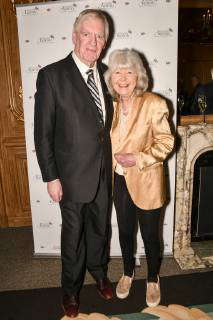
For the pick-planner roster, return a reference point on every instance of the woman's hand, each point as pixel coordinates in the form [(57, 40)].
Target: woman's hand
[(125, 159)]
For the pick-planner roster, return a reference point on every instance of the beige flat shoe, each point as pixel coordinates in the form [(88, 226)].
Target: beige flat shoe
[(153, 294), (123, 286)]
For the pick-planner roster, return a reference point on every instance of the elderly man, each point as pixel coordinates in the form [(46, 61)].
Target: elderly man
[(73, 115)]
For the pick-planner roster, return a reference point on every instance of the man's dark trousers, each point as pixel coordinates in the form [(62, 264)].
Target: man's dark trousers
[(84, 238)]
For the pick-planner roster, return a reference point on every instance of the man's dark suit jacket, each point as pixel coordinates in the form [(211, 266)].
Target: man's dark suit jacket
[(69, 141)]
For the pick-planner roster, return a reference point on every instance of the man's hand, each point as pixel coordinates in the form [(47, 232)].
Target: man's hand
[(54, 189), (125, 159)]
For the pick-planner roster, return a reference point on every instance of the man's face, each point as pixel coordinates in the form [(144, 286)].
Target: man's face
[(89, 40)]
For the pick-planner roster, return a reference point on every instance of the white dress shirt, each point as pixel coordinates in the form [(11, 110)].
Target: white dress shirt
[(83, 68)]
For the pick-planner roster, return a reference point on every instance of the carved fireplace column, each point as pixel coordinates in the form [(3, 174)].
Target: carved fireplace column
[(194, 139)]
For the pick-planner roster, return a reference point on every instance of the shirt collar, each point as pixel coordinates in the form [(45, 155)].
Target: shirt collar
[(83, 68)]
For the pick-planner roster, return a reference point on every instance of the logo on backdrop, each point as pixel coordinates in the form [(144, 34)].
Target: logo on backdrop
[(164, 33), (147, 3), (107, 5), (124, 35), (67, 9), (154, 62), (36, 202), (166, 92), (33, 69), (37, 177), (52, 203), (46, 39), (151, 3), (31, 11), (157, 62), (45, 225), (142, 34)]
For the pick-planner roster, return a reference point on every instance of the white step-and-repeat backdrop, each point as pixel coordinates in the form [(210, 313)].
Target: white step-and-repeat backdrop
[(149, 26)]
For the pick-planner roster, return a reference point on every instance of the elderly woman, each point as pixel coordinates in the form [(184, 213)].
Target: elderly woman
[(141, 141)]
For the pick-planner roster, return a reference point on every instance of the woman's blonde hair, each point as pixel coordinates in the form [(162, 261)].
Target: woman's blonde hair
[(126, 58)]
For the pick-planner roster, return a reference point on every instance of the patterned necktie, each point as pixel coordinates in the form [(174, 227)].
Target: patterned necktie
[(95, 94)]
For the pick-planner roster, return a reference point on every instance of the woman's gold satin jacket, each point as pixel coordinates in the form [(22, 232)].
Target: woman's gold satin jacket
[(148, 136)]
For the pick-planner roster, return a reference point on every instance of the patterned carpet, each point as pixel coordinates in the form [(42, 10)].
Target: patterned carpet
[(207, 308), (45, 303)]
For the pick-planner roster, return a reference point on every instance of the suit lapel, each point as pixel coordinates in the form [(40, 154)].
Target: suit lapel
[(79, 84)]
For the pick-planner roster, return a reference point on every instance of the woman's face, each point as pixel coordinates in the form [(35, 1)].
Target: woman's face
[(124, 81)]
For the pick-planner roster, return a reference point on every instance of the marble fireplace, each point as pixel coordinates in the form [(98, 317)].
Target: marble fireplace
[(193, 140)]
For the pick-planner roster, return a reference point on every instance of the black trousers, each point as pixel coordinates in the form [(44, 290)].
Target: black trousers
[(128, 214), (84, 239)]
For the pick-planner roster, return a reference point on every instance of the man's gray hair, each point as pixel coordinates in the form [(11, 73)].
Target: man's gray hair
[(93, 13), (126, 58)]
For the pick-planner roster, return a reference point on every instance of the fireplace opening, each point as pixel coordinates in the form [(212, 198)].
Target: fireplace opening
[(202, 200)]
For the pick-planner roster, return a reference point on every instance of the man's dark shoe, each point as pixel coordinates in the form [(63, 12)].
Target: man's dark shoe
[(70, 305), (105, 289)]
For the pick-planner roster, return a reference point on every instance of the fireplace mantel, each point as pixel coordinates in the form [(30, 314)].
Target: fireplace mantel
[(192, 140), (196, 119)]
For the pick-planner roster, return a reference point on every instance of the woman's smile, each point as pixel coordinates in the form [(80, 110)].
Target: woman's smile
[(124, 81)]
